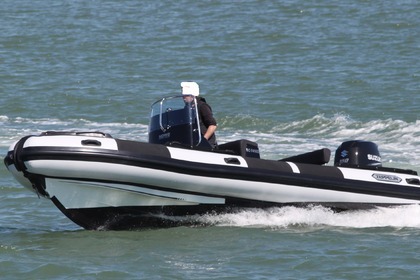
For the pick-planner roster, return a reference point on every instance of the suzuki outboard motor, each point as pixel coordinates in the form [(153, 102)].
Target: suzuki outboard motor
[(357, 153)]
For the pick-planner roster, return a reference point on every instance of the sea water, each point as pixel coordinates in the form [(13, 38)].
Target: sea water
[(294, 76)]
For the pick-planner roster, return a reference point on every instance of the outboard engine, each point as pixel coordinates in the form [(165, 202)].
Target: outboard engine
[(357, 153)]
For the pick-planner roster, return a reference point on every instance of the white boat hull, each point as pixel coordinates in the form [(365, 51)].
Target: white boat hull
[(103, 186)]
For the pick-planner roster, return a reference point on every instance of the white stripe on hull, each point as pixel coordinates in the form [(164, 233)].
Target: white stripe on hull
[(253, 190), (294, 167)]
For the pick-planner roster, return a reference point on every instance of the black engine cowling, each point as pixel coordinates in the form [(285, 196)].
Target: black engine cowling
[(357, 153)]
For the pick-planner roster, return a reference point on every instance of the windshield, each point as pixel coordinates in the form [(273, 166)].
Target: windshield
[(174, 119)]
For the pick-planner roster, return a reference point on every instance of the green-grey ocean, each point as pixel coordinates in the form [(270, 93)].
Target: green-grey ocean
[(292, 75)]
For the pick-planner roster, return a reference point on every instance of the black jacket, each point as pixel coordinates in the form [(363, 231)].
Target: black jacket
[(206, 119)]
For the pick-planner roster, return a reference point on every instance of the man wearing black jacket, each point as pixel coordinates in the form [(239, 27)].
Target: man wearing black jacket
[(208, 124)]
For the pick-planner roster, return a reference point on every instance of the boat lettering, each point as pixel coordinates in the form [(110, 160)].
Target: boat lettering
[(344, 160), (164, 136), (386, 178), (250, 150), (374, 157)]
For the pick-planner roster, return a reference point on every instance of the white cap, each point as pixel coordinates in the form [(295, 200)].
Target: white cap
[(190, 88)]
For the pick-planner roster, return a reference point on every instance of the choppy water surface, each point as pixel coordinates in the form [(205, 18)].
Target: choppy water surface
[(292, 75)]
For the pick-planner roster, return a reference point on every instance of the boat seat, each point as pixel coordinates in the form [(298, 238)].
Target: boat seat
[(319, 157)]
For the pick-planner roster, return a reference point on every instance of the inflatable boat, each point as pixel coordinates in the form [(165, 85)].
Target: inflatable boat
[(101, 182)]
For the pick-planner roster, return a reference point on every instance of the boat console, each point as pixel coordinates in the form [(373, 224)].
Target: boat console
[(174, 122)]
